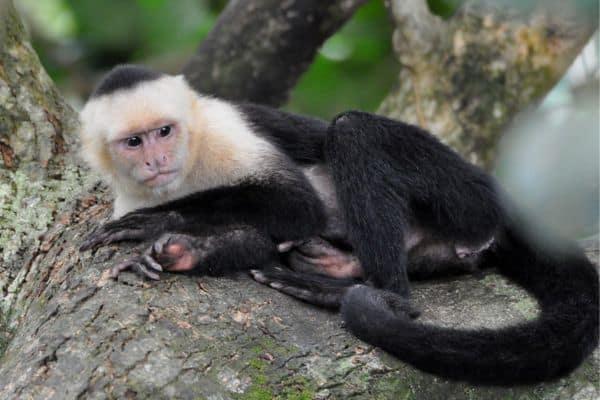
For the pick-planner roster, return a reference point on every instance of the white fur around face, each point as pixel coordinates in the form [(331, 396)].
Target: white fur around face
[(220, 147), (227, 148), (111, 117)]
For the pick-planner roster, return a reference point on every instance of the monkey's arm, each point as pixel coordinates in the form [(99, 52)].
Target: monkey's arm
[(284, 211)]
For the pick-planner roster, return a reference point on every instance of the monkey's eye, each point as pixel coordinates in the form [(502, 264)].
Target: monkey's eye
[(164, 131), (134, 141)]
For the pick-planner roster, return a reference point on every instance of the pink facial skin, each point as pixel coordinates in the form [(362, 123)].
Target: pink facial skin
[(149, 156)]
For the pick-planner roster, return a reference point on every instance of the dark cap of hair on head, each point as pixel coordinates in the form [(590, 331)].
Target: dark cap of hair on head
[(125, 76)]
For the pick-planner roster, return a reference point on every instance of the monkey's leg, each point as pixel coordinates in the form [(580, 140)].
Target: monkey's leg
[(226, 250), (373, 197), (324, 291), (390, 176), (426, 260)]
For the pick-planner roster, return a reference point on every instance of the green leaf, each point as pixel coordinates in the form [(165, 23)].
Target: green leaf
[(444, 8)]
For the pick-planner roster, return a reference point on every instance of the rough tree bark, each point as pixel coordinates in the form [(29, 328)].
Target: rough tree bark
[(77, 334), (258, 49), (37, 172), (466, 77)]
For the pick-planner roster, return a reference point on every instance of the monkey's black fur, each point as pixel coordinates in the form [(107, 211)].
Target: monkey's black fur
[(406, 178), (389, 176), (298, 136), (124, 77)]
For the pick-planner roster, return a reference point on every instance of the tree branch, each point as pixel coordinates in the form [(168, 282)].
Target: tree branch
[(37, 173), (30, 105), (258, 49), (465, 78)]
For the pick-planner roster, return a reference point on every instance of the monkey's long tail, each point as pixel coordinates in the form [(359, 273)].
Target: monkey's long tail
[(566, 286)]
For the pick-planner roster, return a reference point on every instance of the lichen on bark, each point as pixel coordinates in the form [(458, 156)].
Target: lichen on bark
[(38, 171), (466, 77)]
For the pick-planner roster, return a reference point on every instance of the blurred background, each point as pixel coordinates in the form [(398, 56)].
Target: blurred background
[(78, 40)]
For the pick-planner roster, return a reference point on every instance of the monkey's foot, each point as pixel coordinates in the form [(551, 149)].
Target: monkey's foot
[(314, 289), (318, 256), (175, 252), (172, 252)]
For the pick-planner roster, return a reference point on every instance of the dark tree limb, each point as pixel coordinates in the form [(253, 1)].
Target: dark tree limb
[(259, 48)]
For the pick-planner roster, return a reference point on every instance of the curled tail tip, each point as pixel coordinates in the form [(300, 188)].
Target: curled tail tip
[(483, 356)]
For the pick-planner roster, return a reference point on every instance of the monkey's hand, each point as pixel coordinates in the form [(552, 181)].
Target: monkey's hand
[(171, 252), (136, 226)]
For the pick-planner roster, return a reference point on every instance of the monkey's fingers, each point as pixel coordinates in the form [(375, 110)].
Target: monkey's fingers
[(141, 269), (143, 265), (123, 266), (132, 219), (151, 262), (149, 220), (105, 237)]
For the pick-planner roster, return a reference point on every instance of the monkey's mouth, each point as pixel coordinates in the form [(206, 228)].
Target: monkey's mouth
[(161, 178)]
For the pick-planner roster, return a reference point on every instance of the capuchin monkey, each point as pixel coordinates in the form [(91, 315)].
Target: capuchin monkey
[(337, 214)]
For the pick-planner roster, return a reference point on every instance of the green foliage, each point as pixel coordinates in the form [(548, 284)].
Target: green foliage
[(139, 29), (444, 8), (354, 69)]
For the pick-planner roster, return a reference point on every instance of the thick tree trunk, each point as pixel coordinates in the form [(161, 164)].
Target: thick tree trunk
[(78, 334), (37, 175), (258, 49), (87, 336), (466, 77)]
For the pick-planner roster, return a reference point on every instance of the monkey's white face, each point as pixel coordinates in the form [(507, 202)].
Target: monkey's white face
[(151, 157), (139, 137)]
